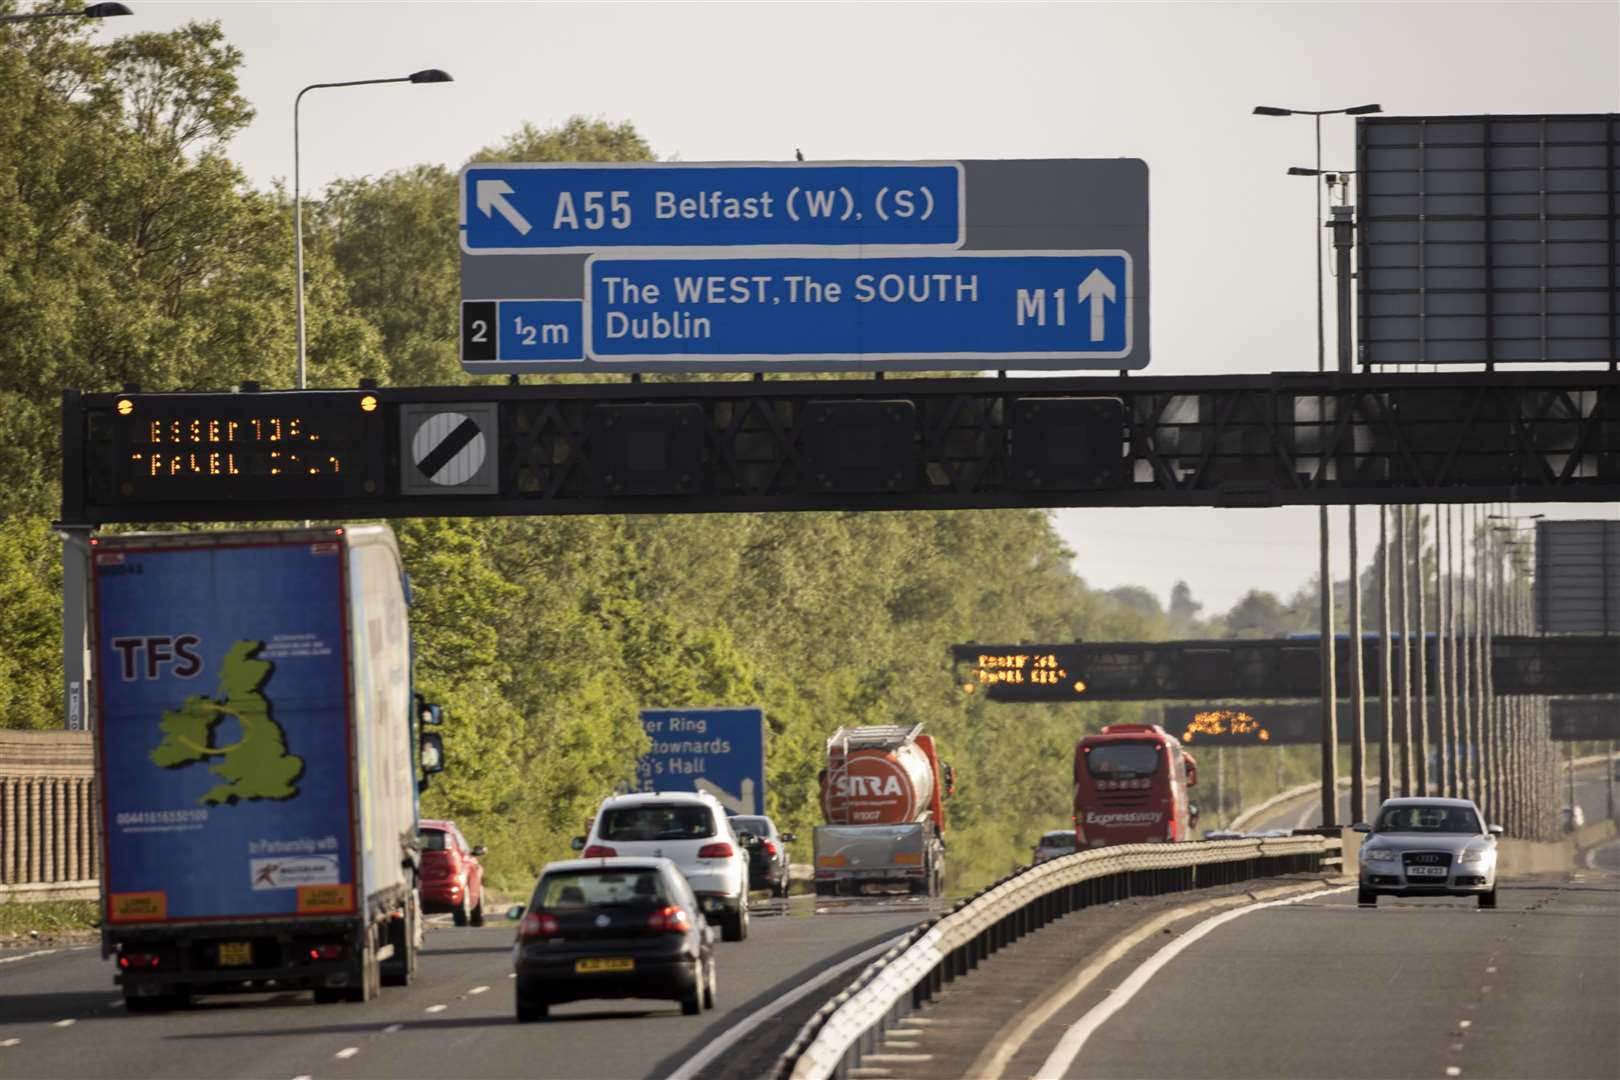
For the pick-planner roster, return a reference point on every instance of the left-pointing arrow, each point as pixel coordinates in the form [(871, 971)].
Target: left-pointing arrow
[(492, 200)]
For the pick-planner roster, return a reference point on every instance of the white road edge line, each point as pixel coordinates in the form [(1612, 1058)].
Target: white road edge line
[(27, 956), (739, 1028), (1074, 1040)]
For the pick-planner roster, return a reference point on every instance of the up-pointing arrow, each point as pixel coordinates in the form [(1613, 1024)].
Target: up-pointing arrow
[(1096, 288), (492, 200)]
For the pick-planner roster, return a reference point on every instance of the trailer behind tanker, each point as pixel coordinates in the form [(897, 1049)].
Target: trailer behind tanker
[(882, 797), (256, 756)]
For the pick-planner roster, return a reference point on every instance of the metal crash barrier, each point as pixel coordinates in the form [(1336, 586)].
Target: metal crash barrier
[(937, 952)]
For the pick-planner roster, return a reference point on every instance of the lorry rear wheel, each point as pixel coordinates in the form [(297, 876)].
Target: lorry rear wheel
[(370, 979), (398, 969)]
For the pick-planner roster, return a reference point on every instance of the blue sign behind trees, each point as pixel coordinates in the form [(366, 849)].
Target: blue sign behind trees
[(719, 751), (555, 208)]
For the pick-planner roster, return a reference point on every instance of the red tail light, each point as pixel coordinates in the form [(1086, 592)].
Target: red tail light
[(599, 851), (770, 847), (1170, 834), (716, 851), (670, 919), (139, 960), (537, 924), (327, 952)]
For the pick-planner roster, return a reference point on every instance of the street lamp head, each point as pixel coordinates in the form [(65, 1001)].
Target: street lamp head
[(1272, 110), (104, 11), (1363, 110), (428, 75)]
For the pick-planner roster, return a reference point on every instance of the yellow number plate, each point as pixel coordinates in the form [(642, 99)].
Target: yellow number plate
[(605, 963), (235, 953)]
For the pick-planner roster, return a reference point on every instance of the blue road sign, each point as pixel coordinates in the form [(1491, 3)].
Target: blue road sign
[(517, 333), (720, 751), (985, 306), (551, 208)]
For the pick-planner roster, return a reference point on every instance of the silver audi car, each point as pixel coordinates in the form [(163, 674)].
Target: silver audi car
[(1428, 847)]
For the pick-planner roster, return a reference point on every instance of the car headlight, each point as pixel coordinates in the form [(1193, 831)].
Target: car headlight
[(1378, 854), (1473, 855)]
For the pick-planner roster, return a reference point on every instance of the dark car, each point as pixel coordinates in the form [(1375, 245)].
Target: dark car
[(613, 928), (452, 877), (767, 852)]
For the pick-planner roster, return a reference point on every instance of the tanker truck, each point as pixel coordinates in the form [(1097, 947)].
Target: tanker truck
[(882, 797)]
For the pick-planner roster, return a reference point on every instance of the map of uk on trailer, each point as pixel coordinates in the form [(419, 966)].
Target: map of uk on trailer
[(1037, 265)]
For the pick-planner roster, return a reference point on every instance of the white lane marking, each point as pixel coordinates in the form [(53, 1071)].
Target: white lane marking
[(115, 1002), (699, 1061), (1465, 1023), (9, 1042), (1490, 971), (513, 975), (477, 990), (347, 1052), (1452, 1070), (435, 1008), (27, 956), (306, 1076), (1057, 1063), (69, 1022), (392, 1028)]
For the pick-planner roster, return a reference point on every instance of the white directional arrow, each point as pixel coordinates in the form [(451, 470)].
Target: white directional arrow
[(1095, 288), (492, 200)]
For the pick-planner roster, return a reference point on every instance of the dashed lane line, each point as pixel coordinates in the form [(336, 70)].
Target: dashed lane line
[(436, 1008), (69, 1022), (9, 1042), (392, 1029), (347, 1052), (477, 990)]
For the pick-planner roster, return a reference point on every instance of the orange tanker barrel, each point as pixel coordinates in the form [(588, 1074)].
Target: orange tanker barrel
[(887, 787)]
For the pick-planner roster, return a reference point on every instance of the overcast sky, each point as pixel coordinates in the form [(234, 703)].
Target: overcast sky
[(1233, 237)]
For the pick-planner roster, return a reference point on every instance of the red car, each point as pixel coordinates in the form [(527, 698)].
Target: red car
[(452, 879)]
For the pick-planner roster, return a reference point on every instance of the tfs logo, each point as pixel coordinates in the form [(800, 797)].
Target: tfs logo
[(151, 654)]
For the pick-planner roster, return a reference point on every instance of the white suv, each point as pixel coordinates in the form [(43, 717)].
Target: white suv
[(691, 830)]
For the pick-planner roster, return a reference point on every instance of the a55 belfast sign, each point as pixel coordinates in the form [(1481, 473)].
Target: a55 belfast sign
[(805, 266)]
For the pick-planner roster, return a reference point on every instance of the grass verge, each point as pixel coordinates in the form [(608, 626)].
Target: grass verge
[(22, 920)]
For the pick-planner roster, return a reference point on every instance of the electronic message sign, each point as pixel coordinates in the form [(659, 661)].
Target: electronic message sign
[(164, 448), (1023, 672), (806, 266)]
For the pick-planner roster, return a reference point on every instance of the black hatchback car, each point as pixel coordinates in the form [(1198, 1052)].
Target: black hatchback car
[(767, 852), (612, 928)]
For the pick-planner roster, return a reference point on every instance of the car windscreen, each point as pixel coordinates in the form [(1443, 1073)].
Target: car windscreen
[(1430, 819), (1058, 840), (598, 888), (756, 825), (657, 821), (433, 840), (1122, 761)]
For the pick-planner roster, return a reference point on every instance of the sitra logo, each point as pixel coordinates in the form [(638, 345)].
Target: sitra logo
[(869, 787)]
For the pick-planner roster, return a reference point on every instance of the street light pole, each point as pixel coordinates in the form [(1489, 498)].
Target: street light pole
[(427, 75), (1330, 769)]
